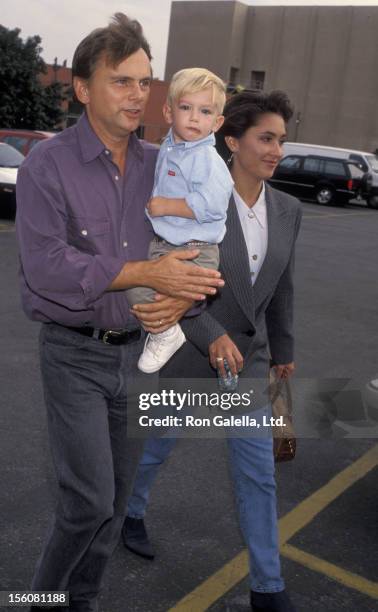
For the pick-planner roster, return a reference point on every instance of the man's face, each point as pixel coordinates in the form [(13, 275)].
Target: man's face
[(116, 97), (193, 116)]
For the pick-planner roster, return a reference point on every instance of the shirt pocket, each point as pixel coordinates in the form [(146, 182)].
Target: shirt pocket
[(88, 234)]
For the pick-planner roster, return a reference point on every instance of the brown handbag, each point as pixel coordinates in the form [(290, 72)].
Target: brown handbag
[(284, 441)]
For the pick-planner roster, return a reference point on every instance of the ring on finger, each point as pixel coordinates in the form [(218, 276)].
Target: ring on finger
[(161, 321), (218, 358)]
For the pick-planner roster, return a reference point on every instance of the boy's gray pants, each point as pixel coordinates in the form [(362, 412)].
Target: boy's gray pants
[(208, 258)]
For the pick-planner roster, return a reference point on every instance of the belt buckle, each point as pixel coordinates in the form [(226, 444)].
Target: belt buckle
[(109, 334)]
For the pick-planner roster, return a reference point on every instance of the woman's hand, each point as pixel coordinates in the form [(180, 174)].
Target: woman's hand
[(160, 315), (224, 348), (284, 370)]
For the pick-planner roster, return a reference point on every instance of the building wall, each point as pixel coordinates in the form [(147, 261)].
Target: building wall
[(154, 124), (323, 57), (200, 35)]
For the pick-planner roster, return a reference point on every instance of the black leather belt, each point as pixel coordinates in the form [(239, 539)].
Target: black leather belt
[(110, 336), (190, 243)]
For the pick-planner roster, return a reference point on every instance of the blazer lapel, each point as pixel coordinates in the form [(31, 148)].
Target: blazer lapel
[(234, 262), (266, 275)]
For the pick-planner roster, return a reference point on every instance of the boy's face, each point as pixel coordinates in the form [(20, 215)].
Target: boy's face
[(193, 116)]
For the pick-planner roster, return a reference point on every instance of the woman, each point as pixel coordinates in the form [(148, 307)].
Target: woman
[(248, 322)]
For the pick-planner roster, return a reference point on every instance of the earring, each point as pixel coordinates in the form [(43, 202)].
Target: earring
[(229, 161)]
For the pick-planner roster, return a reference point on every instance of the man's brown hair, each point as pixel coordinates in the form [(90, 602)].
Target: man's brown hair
[(120, 39)]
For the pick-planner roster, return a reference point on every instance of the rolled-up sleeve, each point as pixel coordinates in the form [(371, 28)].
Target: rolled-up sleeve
[(53, 269), (211, 187)]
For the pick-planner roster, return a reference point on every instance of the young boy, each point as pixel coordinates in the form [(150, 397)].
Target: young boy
[(191, 191)]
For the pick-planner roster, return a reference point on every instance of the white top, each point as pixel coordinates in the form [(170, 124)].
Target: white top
[(254, 224)]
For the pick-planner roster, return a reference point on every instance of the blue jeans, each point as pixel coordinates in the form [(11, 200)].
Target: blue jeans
[(252, 468)]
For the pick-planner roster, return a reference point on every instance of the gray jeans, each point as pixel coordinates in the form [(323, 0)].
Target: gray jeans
[(208, 258), (85, 383)]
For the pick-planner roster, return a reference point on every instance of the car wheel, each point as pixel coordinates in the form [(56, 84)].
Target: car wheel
[(324, 195), (373, 202)]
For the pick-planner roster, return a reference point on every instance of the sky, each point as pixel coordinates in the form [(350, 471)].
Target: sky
[(63, 23)]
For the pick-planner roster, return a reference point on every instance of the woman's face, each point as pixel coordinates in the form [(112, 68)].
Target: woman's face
[(259, 150)]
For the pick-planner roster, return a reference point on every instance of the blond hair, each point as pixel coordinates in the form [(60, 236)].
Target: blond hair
[(192, 80)]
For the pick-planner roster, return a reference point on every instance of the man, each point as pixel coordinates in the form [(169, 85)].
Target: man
[(83, 239)]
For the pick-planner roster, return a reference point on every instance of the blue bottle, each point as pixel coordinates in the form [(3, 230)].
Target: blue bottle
[(228, 382)]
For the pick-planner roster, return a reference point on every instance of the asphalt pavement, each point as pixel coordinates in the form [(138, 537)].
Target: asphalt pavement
[(326, 496)]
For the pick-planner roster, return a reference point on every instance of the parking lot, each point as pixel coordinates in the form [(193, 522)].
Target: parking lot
[(327, 495)]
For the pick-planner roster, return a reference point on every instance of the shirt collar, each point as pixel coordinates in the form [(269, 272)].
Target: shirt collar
[(258, 209), (210, 139), (91, 146)]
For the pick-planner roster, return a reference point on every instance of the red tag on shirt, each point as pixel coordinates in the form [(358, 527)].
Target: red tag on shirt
[(171, 173)]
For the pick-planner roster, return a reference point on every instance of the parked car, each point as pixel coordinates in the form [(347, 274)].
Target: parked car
[(367, 162), (10, 160), (370, 190), (327, 180), (23, 140)]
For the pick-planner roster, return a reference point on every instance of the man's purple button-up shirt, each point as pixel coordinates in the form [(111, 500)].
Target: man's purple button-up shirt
[(78, 221)]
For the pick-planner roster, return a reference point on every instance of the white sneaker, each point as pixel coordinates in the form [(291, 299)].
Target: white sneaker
[(159, 348)]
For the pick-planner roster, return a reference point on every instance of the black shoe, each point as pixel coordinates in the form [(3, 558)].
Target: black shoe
[(135, 538), (271, 602)]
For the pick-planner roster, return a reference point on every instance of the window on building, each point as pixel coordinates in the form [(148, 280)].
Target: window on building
[(257, 79), (234, 76)]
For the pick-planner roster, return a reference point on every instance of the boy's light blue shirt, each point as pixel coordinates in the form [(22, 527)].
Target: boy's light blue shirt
[(193, 171)]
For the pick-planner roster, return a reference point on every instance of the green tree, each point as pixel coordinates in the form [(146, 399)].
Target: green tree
[(24, 102)]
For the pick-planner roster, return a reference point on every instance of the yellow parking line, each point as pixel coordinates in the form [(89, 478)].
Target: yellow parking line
[(353, 581), (304, 513), (212, 589)]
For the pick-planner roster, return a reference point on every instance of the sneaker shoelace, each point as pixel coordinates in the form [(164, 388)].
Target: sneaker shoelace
[(155, 345)]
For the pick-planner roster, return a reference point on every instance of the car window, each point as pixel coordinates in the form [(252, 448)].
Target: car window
[(16, 141), (359, 160), (311, 164), (334, 168), (373, 162), (290, 162), (34, 142), (355, 171), (10, 157)]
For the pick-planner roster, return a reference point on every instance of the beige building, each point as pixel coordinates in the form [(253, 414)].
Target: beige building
[(325, 58)]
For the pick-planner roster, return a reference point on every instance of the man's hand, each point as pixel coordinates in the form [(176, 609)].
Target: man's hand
[(224, 348), (284, 370), (170, 276), (160, 315)]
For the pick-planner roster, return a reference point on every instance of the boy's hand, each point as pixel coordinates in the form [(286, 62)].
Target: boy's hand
[(161, 314), (156, 207)]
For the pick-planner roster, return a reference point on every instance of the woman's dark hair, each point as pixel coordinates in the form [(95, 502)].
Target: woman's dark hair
[(244, 110), (120, 39)]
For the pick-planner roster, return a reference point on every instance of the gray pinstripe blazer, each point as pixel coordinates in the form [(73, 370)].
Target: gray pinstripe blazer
[(258, 318)]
